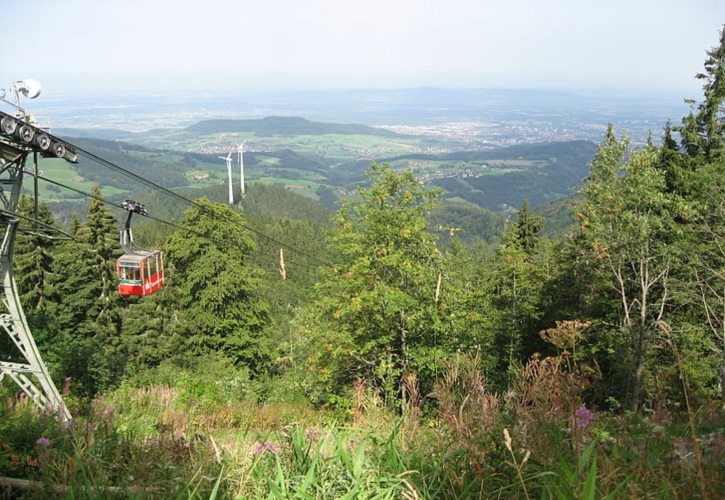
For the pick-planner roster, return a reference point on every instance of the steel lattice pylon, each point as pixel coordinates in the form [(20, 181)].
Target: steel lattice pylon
[(30, 373)]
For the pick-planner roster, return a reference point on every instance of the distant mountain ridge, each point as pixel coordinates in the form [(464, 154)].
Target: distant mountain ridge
[(285, 126)]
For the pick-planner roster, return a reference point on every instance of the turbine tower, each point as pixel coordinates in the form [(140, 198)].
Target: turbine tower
[(240, 157), (228, 159)]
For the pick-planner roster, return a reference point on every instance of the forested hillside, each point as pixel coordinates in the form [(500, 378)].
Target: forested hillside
[(498, 179), (379, 352), (133, 157)]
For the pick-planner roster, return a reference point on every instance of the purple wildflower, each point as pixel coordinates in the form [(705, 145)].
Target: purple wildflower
[(43, 441), (583, 417), (269, 446)]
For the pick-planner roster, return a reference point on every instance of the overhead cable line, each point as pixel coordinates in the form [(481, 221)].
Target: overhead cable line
[(173, 194), (162, 221), (168, 223), (107, 202), (37, 222)]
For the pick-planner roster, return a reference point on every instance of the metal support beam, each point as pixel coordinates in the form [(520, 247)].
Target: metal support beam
[(29, 373)]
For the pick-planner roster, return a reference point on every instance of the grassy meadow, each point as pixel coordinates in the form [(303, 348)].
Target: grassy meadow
[(213, 433)]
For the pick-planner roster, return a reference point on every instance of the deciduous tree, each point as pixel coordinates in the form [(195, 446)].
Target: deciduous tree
[(628, 229), (377, 313)]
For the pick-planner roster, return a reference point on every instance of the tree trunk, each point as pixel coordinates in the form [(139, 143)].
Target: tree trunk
[(637, 383), (403, 343), (637, 374)]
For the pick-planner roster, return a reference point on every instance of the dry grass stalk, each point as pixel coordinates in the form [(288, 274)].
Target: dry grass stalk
[(411, 403), (463, 399)]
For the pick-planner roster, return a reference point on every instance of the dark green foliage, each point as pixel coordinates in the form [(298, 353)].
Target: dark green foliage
[(218, 286), (35, 255), (635, 234), (558, 217), (515, 278), (85, 311), (571, 153), (306, 246), (670, 161), (376, 316), (527, 229), (466, 289), (564, 170), (280, 202), (34, 250), (564, 165), (468, 222), (98, 238), (152, 329), (269, 200), (327, 195), (131, 157), (702, 130)]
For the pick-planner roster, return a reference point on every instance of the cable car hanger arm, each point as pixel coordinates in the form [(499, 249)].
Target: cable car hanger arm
[(126, 238)]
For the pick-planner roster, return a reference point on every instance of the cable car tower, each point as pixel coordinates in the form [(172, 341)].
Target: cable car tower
[(19, 137)]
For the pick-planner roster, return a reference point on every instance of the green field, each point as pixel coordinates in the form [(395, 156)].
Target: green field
[(64, 173), (300, 186), (334, 146), (494, 179)]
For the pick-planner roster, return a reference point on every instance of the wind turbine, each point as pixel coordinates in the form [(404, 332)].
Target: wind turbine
[(240, 157), (228, 159)]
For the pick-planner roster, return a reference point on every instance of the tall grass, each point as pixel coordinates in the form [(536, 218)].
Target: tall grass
[(537, 441)]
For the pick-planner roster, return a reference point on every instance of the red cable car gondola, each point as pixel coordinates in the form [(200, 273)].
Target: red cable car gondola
[(140, 272)]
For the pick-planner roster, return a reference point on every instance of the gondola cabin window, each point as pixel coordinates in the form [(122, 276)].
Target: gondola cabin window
[(140, 272)]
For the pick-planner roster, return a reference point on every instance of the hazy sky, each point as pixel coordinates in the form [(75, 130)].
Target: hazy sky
[(592, 45)]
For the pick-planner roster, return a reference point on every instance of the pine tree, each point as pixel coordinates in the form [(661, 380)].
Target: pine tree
[(219, 288), (527, 229), (515, 289), (152, 329), (702, 129), (670, 162), (34, 259), (34, 263), (85, 305), (711, 119), (99, 241), (697, 175)]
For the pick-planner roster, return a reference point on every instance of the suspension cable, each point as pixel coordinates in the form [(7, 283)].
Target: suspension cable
[(173, 194), (162, 221)]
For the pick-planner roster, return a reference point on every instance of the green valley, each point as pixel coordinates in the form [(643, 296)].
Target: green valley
[(326, 162)]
